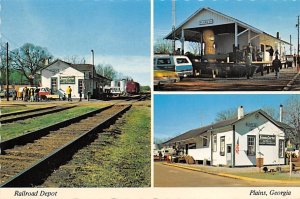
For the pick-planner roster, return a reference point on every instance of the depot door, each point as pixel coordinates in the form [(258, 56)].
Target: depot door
[(228, 154), (53, 85)]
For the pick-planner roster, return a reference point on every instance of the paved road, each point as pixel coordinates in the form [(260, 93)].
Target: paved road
[(167, 176), (268, 82)]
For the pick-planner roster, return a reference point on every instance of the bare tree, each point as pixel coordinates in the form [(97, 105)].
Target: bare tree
[(106, 70), (274, 113), (226, 114), (162, 47), (292, 117), (75, 59), (29, 59), (195, 48)]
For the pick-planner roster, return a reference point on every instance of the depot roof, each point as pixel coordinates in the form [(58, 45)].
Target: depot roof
[(225, 25), (225, 123)]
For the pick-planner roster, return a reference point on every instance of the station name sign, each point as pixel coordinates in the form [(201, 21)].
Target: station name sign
[(67, 80), (206, 21), (267, 140)]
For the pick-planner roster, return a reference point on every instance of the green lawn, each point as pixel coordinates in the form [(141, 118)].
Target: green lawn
[(11, 130), (15, 108), (270, 176)]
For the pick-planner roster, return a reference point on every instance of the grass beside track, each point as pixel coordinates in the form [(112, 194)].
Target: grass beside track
[(121, 161), (18, 128), (10, 109)]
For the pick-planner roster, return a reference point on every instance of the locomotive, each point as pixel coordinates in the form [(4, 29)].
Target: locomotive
[(124, 87)]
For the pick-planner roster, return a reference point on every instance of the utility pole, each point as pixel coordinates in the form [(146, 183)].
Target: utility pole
[(173, 26), (7, 76), (298, 58), (291, 53)]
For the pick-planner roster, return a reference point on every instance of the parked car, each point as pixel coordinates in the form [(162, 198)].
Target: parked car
[(176, 63), (3, 93)]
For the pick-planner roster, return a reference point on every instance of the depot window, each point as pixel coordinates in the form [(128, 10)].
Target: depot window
[(222, 145), (251, 145), (281, 148), (214, 143), (205, 140)]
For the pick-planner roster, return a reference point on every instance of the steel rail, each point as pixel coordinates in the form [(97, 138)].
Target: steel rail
[(36, 174), (29, 137), (25, 111), (35, 114)]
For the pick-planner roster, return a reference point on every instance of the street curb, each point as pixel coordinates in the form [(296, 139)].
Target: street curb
[(234, 176), (289, 85)]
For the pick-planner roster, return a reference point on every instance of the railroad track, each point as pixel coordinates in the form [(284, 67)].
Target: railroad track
[(27, 160), (22, 115)]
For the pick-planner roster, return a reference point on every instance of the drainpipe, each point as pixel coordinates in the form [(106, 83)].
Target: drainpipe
[(233, 146), (280, 113), (211, 148)]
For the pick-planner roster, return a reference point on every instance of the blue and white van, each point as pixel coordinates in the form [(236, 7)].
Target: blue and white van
[(179, 63)]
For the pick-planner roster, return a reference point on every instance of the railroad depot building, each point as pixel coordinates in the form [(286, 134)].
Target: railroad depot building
[(236, 142), (220, 35), (81, 77)]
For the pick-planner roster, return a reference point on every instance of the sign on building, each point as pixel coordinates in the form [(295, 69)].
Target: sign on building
[(206, 21), (267, 140), (67, 80)]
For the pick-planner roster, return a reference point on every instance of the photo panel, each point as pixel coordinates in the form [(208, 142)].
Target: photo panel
[(226, 140), (226, 45)]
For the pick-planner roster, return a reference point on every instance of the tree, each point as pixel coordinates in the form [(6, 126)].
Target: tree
[(106, 70), (74, 59), (162, 47), (195, 48), (274, 113), (292, 117), (29, 59), (226, 114)]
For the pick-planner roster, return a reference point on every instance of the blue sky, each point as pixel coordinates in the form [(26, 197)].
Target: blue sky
[(176, 114), (269, 16), (117, 30)]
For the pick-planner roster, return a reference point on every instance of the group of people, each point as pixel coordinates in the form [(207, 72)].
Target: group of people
[(276, 63), (30, 94)]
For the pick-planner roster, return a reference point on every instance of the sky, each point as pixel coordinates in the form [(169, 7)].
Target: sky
[(117, 30), (270, 16), (177, 114)]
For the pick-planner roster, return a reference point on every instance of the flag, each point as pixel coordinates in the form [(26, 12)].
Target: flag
[(237, 146)]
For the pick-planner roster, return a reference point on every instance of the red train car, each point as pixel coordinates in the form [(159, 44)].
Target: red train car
[(132, 87)]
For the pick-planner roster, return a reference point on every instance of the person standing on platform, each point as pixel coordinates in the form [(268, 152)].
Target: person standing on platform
[(276, 65), (271, 51), (69, 93), (31, 94), (80, 95), (248, 65)]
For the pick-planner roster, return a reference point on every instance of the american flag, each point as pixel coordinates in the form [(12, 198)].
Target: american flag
[(237, 146)]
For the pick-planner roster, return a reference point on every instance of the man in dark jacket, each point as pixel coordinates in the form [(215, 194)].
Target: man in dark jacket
[(276, 65), (271, 51)]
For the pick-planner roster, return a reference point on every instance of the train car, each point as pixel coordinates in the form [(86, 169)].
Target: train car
[(132, 87)]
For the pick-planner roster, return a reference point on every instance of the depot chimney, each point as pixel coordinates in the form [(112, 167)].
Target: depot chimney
[(240, 112), (280, 113), (277, 35), (92, 57)]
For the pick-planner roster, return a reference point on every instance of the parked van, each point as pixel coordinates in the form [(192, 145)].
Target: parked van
[(163, 77), (177, 63)]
